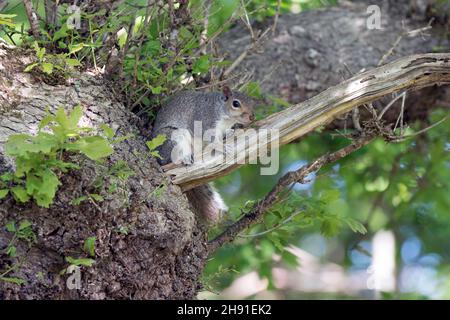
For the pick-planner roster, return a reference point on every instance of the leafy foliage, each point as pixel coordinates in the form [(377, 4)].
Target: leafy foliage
[(89, 246), (39, 159), (23, 231), (80, 261), (155, 143)]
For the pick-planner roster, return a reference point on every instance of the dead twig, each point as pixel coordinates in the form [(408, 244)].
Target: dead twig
[(411, 33), (404, 137)]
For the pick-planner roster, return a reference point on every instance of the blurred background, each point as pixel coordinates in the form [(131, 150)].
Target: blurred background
[(400, 194)]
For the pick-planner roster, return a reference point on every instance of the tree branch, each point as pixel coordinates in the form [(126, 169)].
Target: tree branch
[(416, 71), (291, 177)]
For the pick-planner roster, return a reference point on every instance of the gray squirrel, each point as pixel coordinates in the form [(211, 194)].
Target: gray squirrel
[(217, 111)]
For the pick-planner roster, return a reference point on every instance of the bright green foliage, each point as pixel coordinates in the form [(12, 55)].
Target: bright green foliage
[(7, 19), (14, 280), (89, 246), (48, 63), (155, 143), (40, 158), (21, 232), (80, 262)]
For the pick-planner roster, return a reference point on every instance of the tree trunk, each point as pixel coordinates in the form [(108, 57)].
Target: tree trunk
[(148, 242), (163, 252)]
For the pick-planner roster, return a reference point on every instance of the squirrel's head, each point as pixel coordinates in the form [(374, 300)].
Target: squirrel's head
[(239, 106)]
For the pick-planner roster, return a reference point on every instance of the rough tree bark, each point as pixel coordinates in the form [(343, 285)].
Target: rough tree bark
[(164, 251)]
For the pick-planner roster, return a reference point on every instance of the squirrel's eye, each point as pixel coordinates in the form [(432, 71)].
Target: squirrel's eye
[(236, 104)]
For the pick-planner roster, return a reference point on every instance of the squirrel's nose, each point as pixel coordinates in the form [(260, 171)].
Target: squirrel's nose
[(251, 117)]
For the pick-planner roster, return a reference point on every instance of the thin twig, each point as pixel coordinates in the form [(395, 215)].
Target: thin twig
[(246, 20), (390, 105), (277, 15), (400, 117), (404, 137), (244, 54), (204, 34), (411, 33), (277, 226)]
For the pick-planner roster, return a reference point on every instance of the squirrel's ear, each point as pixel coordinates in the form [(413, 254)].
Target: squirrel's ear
[(227, 92)]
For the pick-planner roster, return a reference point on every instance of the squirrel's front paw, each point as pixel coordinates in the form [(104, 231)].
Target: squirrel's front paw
[(188, 159)]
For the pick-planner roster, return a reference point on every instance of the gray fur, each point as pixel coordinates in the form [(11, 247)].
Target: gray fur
[(186, 107), (180, 112)]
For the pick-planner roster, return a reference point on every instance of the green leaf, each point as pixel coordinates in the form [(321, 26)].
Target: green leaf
[(328, 196), (123, 138), (289, 258), (75, 48), (43, 142), (74, 117), (356, 226), (253, 89), (17, 145), (156, 154), (330, 226), (78, 200), (109, 133), (45, 121), (122, 37), (20, 194), (24, 225), (202, 65), (11, 251), (156, 142), (94, 147), (6, 177), (47, 67), (40, 52), (73, 62), (81, 261), (30, 67), (61, 33), (89, 246), (10, 226), (6, 19), (17, 281), (96, 197), (156, 90), (185, 34), (3, 193), (279, 101), (50, 183), (153, 46), (62, 119)]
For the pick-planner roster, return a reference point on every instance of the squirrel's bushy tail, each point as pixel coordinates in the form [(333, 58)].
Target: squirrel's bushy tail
[(207, 203)]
